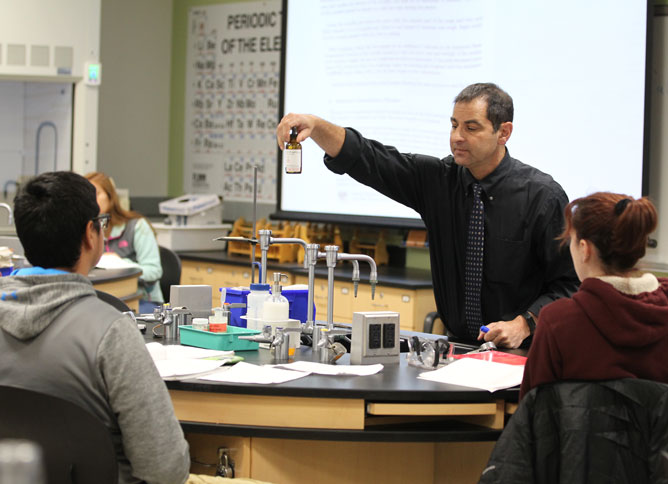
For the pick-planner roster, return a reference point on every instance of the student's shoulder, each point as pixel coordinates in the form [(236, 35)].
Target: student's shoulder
[(560, 312)]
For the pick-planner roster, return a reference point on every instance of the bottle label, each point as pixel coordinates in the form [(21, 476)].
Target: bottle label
[(292, 160)]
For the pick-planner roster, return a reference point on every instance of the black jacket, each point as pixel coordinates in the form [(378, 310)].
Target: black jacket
[(612, 431)]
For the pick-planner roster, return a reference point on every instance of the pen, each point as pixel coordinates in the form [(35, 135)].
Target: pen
[(484, 329)]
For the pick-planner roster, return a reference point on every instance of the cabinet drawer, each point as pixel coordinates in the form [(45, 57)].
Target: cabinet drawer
[(388, 299)]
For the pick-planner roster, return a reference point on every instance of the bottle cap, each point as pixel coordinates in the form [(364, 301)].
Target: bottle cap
[(259, 287)]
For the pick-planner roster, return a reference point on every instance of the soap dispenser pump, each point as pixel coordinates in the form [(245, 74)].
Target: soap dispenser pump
[(276, 306)]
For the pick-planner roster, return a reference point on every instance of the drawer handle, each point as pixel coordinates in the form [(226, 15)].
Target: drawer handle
[(209, 270), (405, 298), (345, 290)]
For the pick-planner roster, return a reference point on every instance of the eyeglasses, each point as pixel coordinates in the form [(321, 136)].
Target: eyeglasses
[(428, 353), (103, 218)]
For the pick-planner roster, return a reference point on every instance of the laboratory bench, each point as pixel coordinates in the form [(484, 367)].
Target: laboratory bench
[(122, 283), (389, 427), (407, 291)]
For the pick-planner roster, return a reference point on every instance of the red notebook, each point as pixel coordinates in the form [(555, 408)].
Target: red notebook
[(496, 356)]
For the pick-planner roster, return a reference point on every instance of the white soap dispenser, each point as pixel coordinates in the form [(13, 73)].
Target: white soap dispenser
[(276, 306)]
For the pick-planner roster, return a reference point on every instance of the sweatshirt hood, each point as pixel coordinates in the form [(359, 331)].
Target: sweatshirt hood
[(623, 313), (29, 304)]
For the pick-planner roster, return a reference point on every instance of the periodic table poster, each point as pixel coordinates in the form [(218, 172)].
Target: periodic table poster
[(231, 112)]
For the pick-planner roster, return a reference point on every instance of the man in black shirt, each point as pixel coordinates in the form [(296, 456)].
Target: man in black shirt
[(522, 209)]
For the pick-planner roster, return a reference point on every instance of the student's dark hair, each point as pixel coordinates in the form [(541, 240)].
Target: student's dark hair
[(499, 103), (51, 212), (617, 225)]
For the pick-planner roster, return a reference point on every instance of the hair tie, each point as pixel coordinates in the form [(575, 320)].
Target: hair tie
[(621, 205)]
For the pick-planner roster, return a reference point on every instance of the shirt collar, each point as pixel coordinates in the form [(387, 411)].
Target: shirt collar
[(490, 181)]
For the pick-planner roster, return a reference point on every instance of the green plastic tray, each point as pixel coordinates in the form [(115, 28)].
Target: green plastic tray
[(219, 341)]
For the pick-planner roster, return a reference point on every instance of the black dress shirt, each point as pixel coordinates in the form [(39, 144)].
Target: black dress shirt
[(523, 267)]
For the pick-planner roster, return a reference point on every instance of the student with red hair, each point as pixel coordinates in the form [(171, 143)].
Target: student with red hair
[(616, 324)]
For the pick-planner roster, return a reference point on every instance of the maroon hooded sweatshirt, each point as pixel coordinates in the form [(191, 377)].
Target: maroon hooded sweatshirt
[(600, 334)]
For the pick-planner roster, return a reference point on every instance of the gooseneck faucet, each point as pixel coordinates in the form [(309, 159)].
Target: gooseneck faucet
[(10, 215), (266, 240)]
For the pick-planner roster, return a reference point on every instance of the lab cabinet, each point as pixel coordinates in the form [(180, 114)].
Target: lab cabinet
[(217, 275), (343, 299), (411, 304)]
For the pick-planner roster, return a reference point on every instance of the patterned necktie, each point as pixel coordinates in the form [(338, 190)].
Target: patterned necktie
[(473, 265)]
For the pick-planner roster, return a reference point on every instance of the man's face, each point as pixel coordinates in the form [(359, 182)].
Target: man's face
[(473, 141)]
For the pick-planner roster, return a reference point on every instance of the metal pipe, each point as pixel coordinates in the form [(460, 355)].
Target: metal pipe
[(331, 252), (311, 256), (290, 240), (254, 224), (265, 238), (373, 275)]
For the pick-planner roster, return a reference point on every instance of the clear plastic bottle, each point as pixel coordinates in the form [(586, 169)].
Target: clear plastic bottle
[(255, 304)]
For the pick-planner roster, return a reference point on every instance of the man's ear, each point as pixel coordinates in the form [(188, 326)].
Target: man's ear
[(89, 237), (505, 130)]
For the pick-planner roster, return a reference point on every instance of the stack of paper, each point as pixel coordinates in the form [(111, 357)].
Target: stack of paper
[(175, 362), (248, 373), (324, 369), (470, 372)]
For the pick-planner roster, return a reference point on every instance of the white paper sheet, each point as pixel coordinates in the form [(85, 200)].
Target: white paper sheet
[(324, 369), (248, 373), (112, 261), (185, 368), (158, 351), (470, 372)]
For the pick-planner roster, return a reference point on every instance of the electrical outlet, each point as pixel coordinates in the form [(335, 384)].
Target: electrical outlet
[(375, 337)]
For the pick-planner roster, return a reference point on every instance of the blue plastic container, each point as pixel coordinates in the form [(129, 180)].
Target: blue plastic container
[(236, 295), (5, 271), (298, 299)]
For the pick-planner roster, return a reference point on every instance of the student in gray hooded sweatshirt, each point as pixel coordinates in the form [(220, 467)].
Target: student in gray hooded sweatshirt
[(58, 338)]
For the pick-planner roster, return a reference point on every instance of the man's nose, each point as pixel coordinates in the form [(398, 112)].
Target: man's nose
[(456, 135)]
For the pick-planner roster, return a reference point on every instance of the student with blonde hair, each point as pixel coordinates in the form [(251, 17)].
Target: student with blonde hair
[(131, 237)]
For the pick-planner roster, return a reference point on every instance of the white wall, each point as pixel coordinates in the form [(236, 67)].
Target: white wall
[(49, 24), (659, 139), (133, 140)]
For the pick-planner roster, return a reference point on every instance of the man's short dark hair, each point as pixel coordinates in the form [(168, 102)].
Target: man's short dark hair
[(499, 103), (51, 212)]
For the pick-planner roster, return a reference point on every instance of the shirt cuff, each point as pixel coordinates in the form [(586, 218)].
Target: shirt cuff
[(347, 156)]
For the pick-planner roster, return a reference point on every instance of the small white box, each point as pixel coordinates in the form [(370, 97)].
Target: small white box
[(192, 237)]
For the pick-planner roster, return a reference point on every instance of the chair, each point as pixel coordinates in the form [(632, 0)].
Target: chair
[(613, 431), (429, 320), (171, 271), (76, 446), (113, 300)]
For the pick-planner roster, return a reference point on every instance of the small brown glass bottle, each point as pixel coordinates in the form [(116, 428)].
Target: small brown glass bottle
[(292, 154)]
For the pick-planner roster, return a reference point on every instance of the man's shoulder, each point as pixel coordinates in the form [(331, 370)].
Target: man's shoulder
[(540, 181)]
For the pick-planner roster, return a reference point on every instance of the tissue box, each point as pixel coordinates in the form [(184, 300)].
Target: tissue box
[(191, 237)]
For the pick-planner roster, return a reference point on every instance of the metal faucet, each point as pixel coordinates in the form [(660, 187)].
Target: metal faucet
[(332, 256), (265, 240), (10, 215), (373, 275), (325, 349), (279, 341), (170, 318)]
